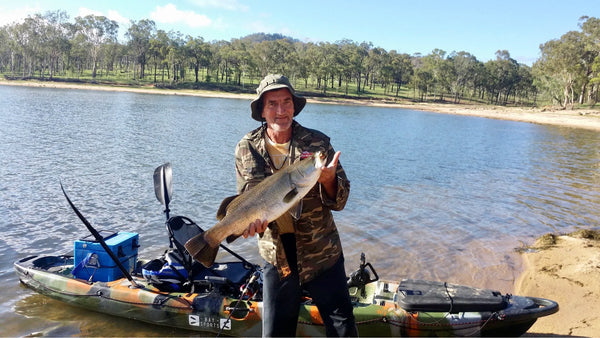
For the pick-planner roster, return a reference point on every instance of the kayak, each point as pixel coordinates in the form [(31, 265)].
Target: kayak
[(105, 275), (381, 308)]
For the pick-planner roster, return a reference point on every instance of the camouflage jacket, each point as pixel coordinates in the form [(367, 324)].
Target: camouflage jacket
[(318, 242)]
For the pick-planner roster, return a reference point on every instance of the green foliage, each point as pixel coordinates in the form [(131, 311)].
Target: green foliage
[(49, 47)]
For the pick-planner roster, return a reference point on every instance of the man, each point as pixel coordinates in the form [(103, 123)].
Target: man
[(302, 249)]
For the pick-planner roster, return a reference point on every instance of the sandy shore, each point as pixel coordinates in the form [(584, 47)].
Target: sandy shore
[(578, 118), (567, 272)]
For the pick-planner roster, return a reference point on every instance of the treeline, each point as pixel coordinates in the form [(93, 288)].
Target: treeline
[(49, 46)]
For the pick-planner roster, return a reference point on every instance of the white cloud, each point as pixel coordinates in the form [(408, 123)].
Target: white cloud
[(82, 12), (112, 14), (170, 14), (231, 5), (18, 14), (116, 16)]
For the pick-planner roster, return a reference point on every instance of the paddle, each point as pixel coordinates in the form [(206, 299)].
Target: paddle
[(163, 188), (100, 240), (163, 185)]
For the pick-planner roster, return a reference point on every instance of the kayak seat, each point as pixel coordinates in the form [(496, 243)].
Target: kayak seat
[(181, 229), (432, 296)]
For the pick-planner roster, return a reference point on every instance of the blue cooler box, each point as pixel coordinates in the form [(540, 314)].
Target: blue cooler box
[(94, 264)]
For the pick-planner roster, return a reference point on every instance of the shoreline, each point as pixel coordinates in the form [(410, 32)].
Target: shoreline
[(577, 118)]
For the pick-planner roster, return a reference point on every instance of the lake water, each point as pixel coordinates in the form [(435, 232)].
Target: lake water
[(433, 196)]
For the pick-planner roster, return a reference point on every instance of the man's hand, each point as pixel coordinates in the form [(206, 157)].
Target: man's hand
[(256, 227), (328, 176)]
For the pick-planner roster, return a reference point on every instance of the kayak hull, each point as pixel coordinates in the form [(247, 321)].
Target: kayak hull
[(381, 308)]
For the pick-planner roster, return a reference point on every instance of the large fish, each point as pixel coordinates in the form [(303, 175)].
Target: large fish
[(269, 199)]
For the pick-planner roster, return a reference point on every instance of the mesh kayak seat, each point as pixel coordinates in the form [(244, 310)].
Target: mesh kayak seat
[(181, 229)]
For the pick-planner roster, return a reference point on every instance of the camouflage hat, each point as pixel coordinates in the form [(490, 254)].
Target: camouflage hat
[(272, 82)]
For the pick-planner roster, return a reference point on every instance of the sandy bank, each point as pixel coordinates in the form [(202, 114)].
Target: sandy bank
[(579, 118), (567, 272)]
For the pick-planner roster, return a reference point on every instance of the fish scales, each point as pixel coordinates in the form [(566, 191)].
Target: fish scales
[(268, 200)]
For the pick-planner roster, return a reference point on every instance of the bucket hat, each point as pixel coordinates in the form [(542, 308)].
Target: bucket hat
[(273, 82)]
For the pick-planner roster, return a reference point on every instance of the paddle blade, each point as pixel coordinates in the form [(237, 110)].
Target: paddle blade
[(163, 183)]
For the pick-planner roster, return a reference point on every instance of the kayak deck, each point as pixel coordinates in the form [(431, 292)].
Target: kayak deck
[(381, 308)]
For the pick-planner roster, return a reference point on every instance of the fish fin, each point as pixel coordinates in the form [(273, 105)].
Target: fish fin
[(232, 238), (296, 211), (224, 205), (198, 248), (290, 195)]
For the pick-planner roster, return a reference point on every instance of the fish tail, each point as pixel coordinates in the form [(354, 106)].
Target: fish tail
[(199, 248)]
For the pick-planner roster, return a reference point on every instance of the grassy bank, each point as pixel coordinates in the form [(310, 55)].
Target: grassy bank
[(248, 86)]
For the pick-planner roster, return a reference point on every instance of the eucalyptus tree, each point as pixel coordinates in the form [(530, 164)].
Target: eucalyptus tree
[(302, 67), (313, 56), (560, 65), (590, 27), (159, 48), (345, 64), (435, 64), (199, 53), (16, 44), (352, 61), (359, 62), (97, 31), (217, 60), (5, 52), (240, 60), (422, 81), (464, 67), (54, 39), (525, 88), (177, 55), (479, 81), (327, 63), (504, 76), (111, 51), (225, 51), (139, 34), (273, 56), (78, 54), (235, 58), (25, 36), (374, 64), (401, 69)]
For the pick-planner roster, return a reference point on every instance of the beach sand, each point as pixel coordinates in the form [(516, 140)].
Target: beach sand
[(567, 272)]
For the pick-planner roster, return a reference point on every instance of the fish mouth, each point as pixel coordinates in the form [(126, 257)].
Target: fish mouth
[(320, 159)]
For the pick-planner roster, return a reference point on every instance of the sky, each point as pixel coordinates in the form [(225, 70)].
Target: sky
[(480, 27)]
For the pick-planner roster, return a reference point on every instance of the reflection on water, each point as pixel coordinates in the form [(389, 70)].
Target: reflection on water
[(48, 317), (433, 196)]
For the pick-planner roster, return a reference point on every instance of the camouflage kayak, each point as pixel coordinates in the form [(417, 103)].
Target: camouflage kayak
[(381, 308), (104, 274)]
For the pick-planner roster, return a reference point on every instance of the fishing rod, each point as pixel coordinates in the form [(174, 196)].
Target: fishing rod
[(250, 282), (100, 240)]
